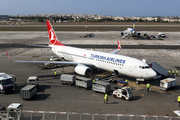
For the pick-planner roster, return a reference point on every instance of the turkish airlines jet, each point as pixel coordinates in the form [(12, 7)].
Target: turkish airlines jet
[(84, 59)]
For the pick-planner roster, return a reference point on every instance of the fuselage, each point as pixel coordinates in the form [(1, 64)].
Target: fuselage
[(111, 62)]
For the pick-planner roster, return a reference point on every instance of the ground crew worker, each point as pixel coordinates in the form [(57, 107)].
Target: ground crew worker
[(148, 87), (177, 73), (106, 98), (178, 100), (173, 72), (94, 80), (169, 72), (55, 74), (126, 81)]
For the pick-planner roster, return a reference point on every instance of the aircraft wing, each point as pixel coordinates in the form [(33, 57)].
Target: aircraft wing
[(36, 45), (116, 50), (50, 62), (125, 35), (42, 45), (55, 62), (141, 31)]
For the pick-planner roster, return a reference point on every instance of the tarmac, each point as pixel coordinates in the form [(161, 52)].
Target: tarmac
[(53, 96)]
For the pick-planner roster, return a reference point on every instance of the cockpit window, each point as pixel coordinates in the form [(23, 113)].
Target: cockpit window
[(144, 67)]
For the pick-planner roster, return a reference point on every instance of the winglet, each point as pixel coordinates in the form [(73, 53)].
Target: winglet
[(119, 46), (8, 55)]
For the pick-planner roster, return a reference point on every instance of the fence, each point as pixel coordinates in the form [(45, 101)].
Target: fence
[(49, 115)]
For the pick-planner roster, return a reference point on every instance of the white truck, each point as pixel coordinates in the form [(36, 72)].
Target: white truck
[(161, 34), (167, 83), (7, 83), (14, 112), (124, 93), (33, 80)]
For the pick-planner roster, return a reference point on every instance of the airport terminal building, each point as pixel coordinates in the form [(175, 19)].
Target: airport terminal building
[(4, 18)]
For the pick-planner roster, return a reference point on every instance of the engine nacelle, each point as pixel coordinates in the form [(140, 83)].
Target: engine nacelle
[(83, 70), (122, 33), (138, 33)]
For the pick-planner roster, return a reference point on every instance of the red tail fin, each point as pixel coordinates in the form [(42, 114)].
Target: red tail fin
[(52, 36)]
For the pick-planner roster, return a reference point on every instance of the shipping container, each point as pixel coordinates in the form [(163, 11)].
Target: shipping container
[(68, 79), (101, 86), (167, 83), (84, 82), (28, 91)]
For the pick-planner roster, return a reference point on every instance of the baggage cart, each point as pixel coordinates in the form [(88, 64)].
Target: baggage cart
[(28, 92), (101, 86), (68, 79), (84, 82)]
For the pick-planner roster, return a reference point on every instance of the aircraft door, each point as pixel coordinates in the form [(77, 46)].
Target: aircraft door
[(131, 67)]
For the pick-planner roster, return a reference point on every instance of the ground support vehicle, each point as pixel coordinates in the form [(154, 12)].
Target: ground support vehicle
[(84, 82), (33, 80), (167, 83), (88, 35), (68, 79), (28, 92), (101, 86), (7, 83), (124, 93), (13, 112), (161, 35), (116, 84), (49, 65)]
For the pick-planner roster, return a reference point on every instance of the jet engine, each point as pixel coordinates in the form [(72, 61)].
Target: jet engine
[(83, 70), (122, 33), (138, 33)]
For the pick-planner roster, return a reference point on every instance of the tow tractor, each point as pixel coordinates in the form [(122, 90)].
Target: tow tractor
[(13, 112), (124, 93)]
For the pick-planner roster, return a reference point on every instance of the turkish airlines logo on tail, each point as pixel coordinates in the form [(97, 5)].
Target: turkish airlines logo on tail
[(119, 46), (52, 37)]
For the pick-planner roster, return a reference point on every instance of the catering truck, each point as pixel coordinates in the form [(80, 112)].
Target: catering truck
[(7, 83)]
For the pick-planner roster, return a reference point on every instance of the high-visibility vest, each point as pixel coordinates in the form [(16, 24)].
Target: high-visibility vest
[(126, 80), (169, 72), (94, 80), (55, 73), (177, 71), (173, 71), (178, 98), (148, 85), (106, 97)]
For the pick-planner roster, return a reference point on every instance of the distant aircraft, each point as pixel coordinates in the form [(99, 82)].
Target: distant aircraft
[(84, 60), (131, 31)]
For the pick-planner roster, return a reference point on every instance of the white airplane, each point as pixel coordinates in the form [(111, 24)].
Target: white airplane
[(84, 59), (131, 31)]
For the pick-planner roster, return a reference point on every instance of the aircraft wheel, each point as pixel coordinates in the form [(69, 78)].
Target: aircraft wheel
[(114, 96), (137, 82)]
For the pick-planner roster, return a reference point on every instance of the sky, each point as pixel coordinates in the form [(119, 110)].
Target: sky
[(99, 7)]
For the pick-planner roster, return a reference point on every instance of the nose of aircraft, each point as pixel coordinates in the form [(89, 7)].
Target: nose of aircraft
[(152, 73)]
